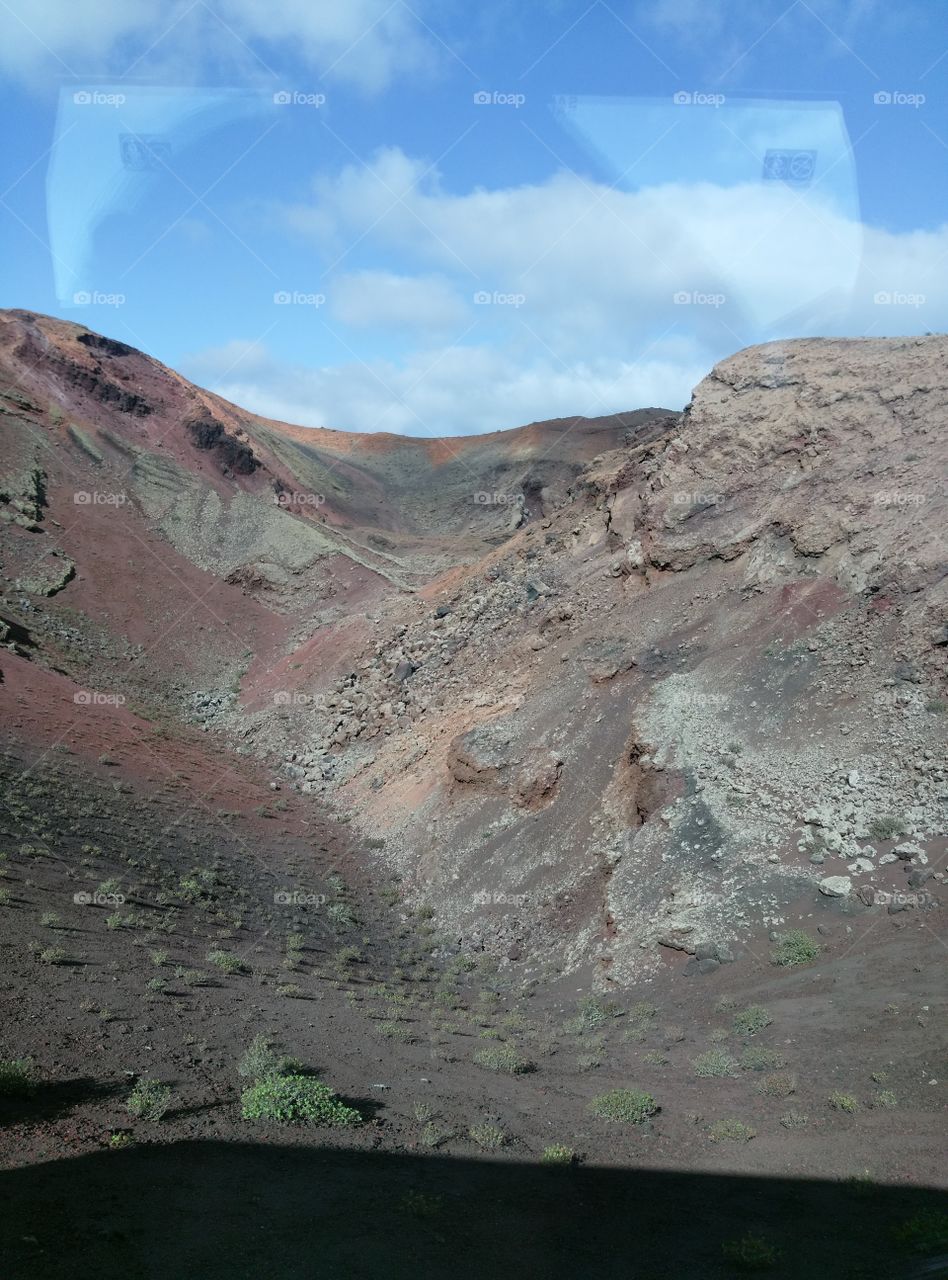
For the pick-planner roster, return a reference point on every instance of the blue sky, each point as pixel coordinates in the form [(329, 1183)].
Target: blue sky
[(439, 218)]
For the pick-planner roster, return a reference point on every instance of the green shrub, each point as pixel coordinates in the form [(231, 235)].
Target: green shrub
[(757, 1058), (715, 1064), (631, 1106), (16, 1077), (731, 1130), (261, 1061), (843, 1102), (149, 1100), (750, 1253), (296, 1099), (503, 1058), (396, 1031), (926, 1232), (885, 1098), (778, 1084), (794, 1120), (558, 1154), (886, 826), (54, 955), (226, 961), (489, 1136), (752, 1019), (794, 947)]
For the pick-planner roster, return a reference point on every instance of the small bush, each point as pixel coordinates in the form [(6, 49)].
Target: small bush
[(261, 1061), (731, 1131), (16, 1078), (396, 1031), (886, 826), (54, 955), (794, 947), (558, 1154), (631, 1106), (926, 1232), (757, 1058), (751, 1020), (226, 961), (885, 1098), (794, 1120), (51, 919), (149, 1100), (715, 1064), (843, 1102), (778, 1084), (488, 1136), (159, 958), (503, 1058), (434, 1134), (296, 1099), (750, 1253)]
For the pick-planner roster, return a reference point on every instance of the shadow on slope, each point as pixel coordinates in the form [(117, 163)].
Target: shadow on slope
[(261, 1212)]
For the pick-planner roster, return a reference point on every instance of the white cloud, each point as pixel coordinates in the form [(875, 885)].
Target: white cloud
[(386, 300), (582, 281), (444, 391), (366, 43)]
